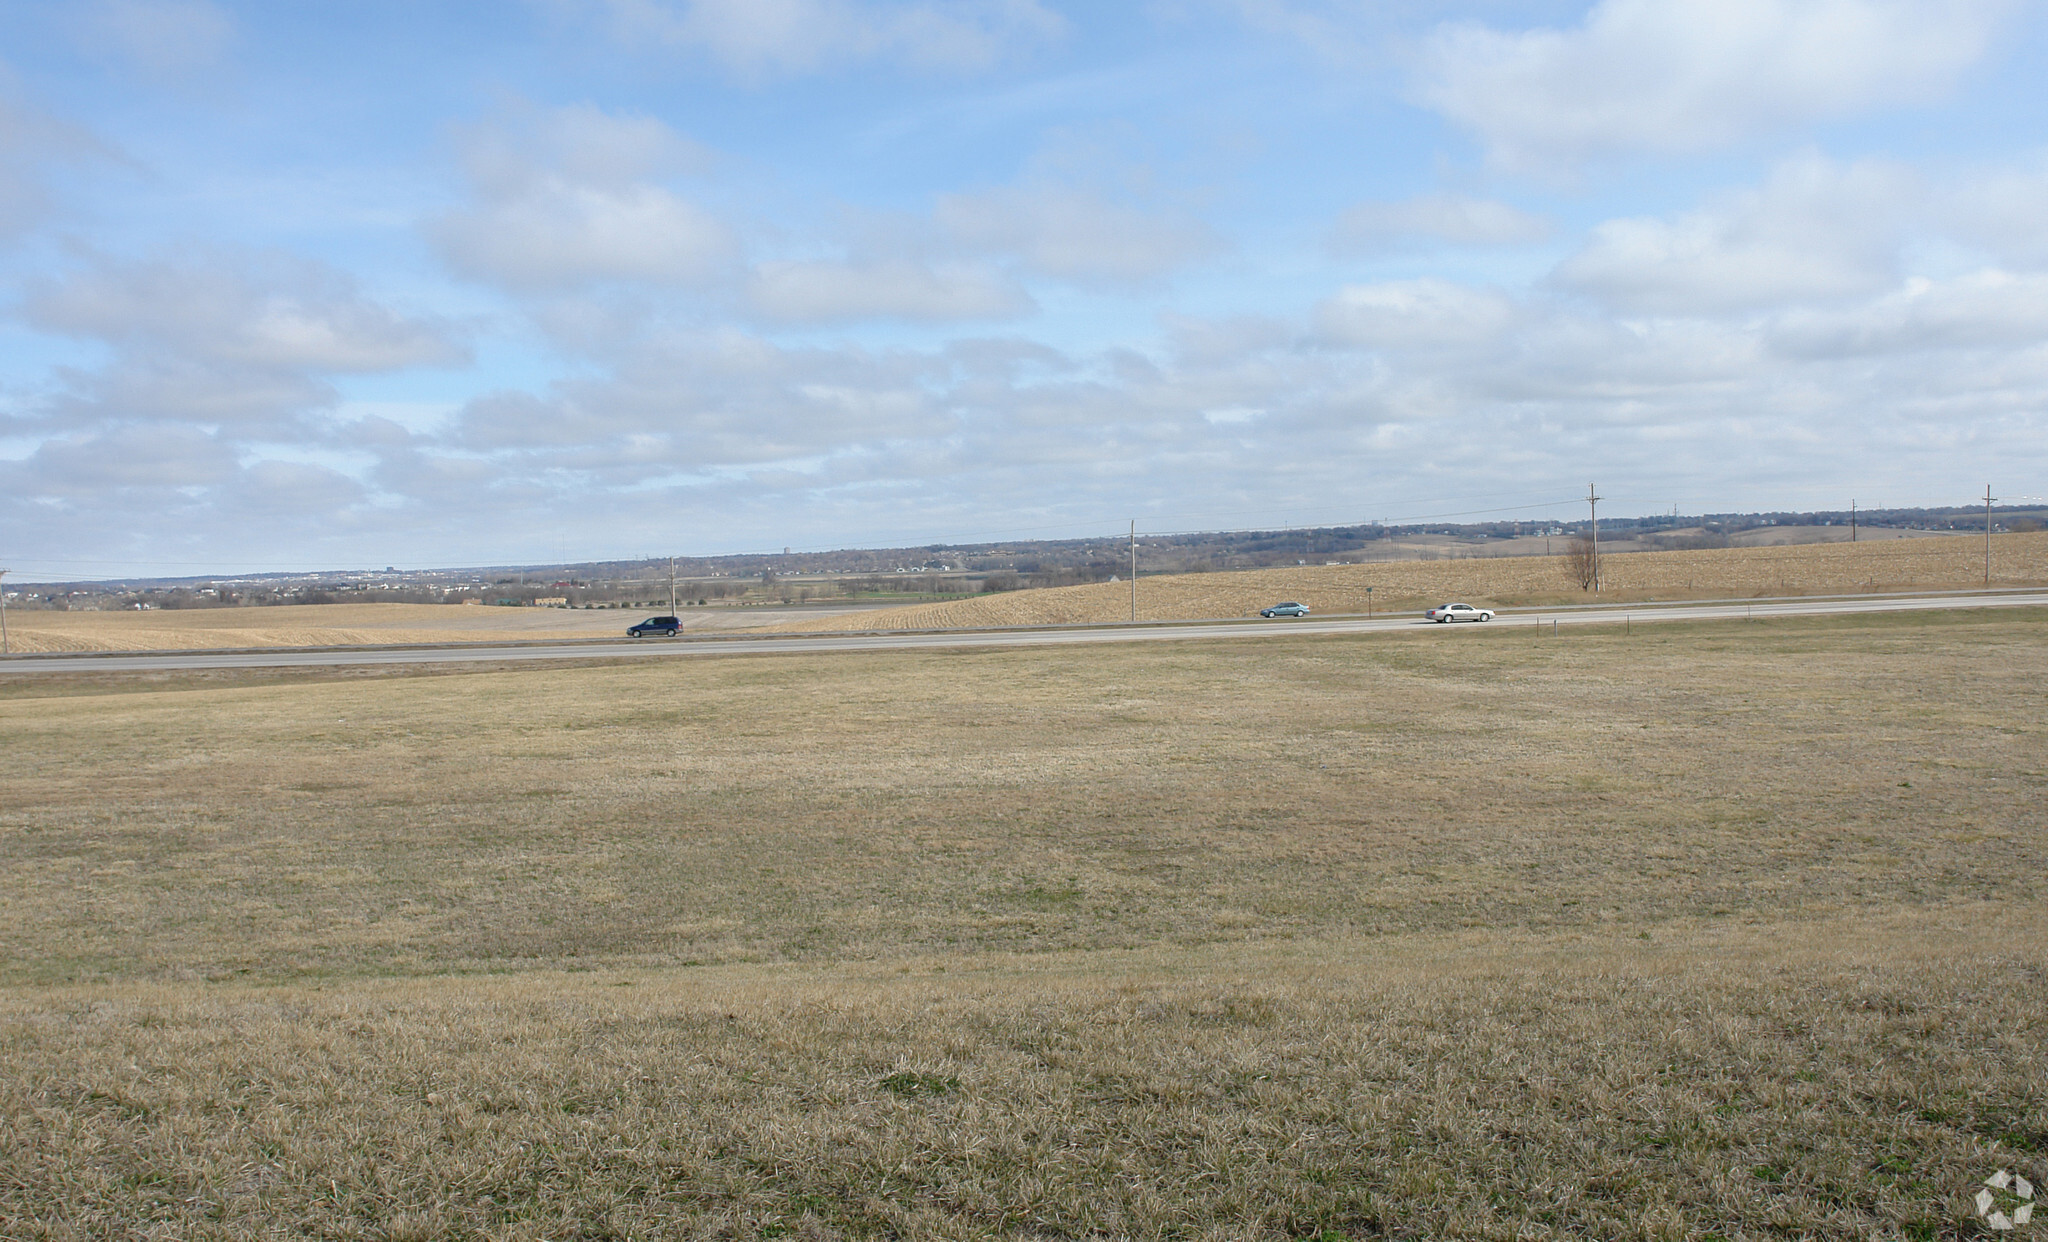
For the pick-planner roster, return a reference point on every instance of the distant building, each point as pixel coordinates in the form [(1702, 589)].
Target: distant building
[(552, 601)]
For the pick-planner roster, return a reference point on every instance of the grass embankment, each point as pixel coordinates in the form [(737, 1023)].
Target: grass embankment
[(1702, 930), (299, 625), (345, 625), (1807, 569)]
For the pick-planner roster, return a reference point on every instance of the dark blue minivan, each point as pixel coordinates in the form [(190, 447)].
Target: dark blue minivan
[(668, 627)]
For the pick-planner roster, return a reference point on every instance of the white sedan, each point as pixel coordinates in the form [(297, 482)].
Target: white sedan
[(1459, 612)]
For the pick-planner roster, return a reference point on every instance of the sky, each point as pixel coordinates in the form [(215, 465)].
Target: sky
[(419, 283)]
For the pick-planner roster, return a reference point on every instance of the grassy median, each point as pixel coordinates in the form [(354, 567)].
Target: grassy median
[(1702, 929)]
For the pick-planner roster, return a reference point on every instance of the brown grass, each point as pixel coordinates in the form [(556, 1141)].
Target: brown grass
[(341, 625), (1808, 569), (1714, 930), (1733, 1083)]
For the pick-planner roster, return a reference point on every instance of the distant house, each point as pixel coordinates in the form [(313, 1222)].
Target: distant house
[(552, 601)]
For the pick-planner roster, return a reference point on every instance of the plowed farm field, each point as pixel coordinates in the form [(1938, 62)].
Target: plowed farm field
[(1722, 573)]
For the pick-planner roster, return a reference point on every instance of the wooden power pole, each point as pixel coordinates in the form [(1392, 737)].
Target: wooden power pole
[(1987, 535), (1593, 508)]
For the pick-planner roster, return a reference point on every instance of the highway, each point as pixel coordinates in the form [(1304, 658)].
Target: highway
[(805, 644)]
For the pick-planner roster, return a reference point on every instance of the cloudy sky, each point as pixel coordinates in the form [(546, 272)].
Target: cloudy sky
[(418, 283)]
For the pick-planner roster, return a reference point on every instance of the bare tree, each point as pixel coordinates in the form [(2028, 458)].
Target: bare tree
[(1579, 562)]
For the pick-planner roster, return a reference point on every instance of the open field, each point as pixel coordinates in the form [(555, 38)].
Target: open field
[(350, 625), (1721, 573), (1725, 930), (1740, 1083), (1428, 546)]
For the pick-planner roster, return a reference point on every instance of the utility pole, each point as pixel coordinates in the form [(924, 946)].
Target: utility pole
[(5, 648), (1987, 535), (1852, 520), (671, 586), (1134, 569), (1593, 507)]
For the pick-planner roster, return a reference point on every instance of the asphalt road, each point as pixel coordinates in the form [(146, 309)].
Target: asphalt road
[(787, 644)]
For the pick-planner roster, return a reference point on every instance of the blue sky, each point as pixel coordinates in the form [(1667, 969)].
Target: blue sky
[(427, 284)]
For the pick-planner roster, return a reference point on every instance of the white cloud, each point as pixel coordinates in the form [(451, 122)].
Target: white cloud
[(581, 144), (268, 486), (1983, 310), (814, 292), (1073, 234), (1662, 77), (1814, 230), (692, 401), (32, 145), (267, 312), (1415, 314), (558, 236), (1210, 342), (781, 37), (153, 387), (569, 199), (221, 339), (1453, 218), (1999, 208), (154, 457), (1458, 389)]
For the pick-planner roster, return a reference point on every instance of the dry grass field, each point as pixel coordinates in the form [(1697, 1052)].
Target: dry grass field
[(1723, 573), (346, 625), (1704, 931)]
